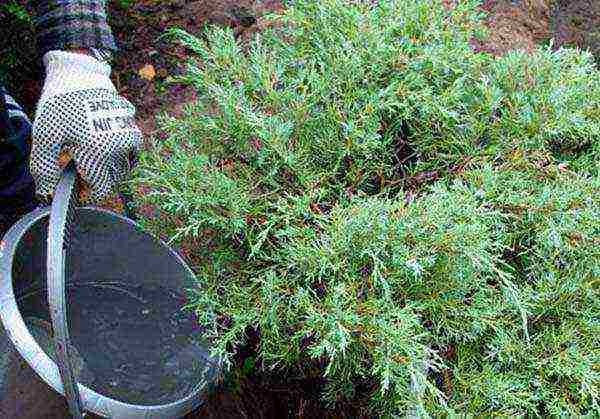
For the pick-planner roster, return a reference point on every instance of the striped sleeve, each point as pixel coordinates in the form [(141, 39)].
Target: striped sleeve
[(72, 24), (10, 107)]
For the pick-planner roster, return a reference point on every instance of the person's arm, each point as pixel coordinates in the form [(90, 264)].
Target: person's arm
[(80, 113), (73, 25)]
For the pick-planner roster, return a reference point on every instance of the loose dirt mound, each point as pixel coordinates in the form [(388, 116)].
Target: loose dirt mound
[(524, 24), (577, 22), (515, 25)]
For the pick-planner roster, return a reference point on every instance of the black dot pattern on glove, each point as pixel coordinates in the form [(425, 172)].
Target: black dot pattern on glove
[(96, 127)]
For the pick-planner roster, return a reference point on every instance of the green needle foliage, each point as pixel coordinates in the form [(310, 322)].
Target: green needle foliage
[(414, 222)]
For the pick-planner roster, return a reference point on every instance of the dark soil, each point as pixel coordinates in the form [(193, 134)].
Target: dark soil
[(524, 24), (515, 25), (138, 30), (248, 393), (577, 22)]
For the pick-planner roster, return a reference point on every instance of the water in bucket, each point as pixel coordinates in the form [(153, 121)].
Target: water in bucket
[(133, 338), (142, 355)]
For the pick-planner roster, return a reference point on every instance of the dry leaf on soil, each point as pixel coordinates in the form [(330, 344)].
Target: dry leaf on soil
[(147, 72)]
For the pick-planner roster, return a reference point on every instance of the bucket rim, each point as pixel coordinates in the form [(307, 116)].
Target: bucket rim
[(22, 340)]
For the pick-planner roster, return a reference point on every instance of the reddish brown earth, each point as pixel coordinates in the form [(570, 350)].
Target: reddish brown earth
[(138, 30), (577, 22), (524, 24), (515, 25)]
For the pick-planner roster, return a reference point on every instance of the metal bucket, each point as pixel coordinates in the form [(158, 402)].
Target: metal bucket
[(135, 349)]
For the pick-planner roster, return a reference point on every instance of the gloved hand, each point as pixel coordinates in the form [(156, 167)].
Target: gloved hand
[(81, 113)]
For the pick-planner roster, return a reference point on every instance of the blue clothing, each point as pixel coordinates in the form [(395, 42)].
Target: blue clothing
[(17, 189)]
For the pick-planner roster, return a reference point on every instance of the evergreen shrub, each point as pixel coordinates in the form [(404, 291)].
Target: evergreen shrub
[(416, 223)]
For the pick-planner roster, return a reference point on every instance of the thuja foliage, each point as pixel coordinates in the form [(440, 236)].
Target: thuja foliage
[(414, 222)]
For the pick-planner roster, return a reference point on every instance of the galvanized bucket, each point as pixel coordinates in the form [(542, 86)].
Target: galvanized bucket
[(123, 343)]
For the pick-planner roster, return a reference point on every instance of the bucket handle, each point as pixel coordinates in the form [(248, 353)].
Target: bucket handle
[(62, 212)]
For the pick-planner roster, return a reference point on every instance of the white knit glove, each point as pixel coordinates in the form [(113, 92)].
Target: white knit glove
[(81, 113)]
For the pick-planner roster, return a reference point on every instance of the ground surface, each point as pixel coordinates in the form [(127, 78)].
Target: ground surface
[(577, 22), (142, 73)]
